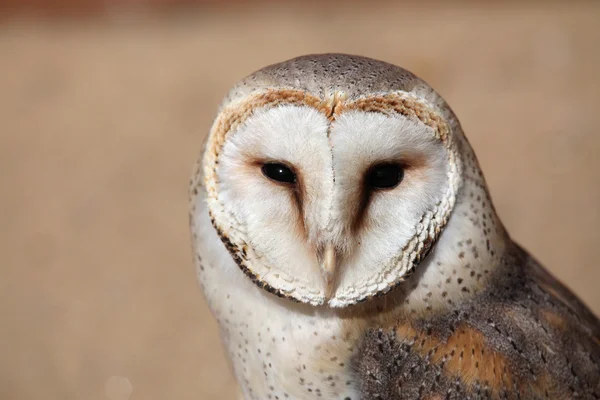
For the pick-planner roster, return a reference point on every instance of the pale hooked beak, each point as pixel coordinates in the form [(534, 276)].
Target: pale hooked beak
[(329, 268)]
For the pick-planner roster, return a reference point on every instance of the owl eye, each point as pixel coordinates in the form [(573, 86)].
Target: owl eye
[(385, 176), (279, 173)]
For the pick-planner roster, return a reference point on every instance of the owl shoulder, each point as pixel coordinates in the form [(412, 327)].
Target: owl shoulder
[(526, 336)]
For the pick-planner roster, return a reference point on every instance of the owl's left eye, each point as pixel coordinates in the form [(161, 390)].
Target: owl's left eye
[(385, 176), (279, 173)]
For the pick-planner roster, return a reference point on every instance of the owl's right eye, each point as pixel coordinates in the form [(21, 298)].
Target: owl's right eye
[(279, 173)]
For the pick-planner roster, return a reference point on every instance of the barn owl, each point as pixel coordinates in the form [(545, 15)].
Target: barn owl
[(347, 245)]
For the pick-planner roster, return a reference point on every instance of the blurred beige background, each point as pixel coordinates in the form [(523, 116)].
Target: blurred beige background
[(101, 120)]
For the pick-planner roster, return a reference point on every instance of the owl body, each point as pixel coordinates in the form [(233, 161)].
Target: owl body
[(349, 249)]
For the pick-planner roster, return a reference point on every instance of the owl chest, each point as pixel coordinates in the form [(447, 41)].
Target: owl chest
[(278, 352)]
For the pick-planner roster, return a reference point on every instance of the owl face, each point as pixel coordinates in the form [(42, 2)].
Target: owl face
[(328, 200)]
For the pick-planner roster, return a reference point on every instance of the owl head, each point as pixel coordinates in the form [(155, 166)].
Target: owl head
[(329, 178)]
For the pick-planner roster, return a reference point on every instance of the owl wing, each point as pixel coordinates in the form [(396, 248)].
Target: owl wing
[(526, 337)]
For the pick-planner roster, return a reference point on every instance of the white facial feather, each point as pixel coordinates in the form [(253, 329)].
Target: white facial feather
[(285, 231), (359, 141), (265, 210)]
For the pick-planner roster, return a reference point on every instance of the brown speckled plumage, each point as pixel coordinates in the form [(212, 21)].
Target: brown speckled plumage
[(525, 336), (478, 319)]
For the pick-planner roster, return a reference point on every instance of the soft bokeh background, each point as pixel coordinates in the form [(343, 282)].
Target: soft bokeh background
[(102, 115)]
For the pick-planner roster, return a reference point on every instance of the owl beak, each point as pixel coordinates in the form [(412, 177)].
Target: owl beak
[(328, 265)]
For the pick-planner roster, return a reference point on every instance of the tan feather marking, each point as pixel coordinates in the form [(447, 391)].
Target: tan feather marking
[(394, 103), (464, 355), (555, 320)]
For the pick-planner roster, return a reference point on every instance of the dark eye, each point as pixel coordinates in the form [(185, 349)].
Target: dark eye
[(279, 173), (385, 176)]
